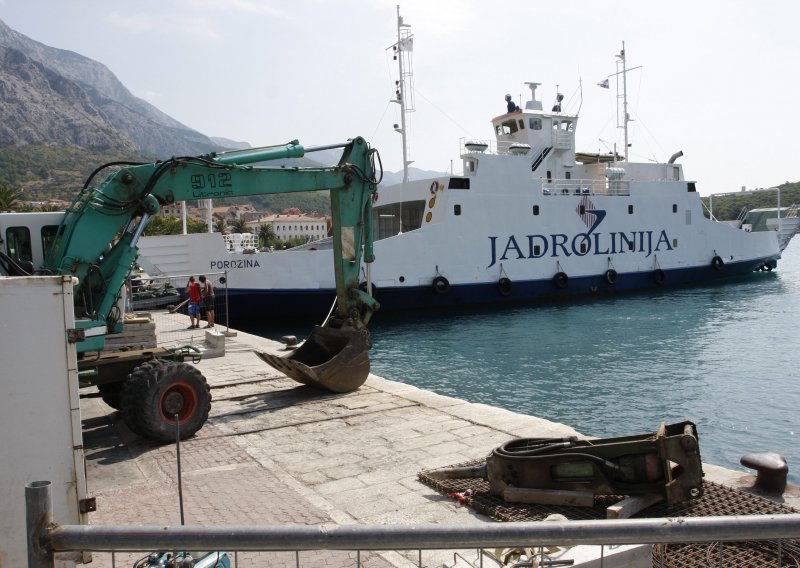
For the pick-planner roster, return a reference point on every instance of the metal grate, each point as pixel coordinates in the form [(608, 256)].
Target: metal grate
[(716, 500)]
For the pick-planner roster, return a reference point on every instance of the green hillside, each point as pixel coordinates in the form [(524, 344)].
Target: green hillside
[(45, 171), (58, 172), (729, 206)]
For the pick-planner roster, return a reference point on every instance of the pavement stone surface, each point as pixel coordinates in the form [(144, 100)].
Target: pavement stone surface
[(277, 452)]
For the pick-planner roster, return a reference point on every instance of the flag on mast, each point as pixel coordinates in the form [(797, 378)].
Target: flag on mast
[(603, 83)]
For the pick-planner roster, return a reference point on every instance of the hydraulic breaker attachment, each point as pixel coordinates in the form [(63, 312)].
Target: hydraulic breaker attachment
[(664, 463), (331, 359)]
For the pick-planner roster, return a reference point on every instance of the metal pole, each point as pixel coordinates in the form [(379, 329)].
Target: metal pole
[(38, 516), (426, 536), (625, 98), (227, 312), (178, 458)]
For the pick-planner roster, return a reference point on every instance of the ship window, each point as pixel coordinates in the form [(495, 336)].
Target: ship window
[(690, 186), (631, 246), (535, 209), (567, 175), (674, 243), (18, 244), (674, 207), (567, 126), (549, 176), (583, 247), (521, 124), (402, 279), (582, 210), (456, 209), (630, 209), (507, 127), (676, 173), (458, 183), (48, 236), (470, 166), (535, 123), (537, 250)]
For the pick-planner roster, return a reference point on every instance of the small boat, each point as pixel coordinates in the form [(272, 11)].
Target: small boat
[(147, 294)]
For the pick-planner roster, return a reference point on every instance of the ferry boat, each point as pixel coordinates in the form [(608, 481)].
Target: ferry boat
[(530, 218)]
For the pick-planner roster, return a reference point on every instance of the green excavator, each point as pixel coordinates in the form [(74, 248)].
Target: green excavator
[(95, 242)]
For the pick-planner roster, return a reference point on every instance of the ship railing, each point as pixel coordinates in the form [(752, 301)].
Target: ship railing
[(740, 218), (776, 534), (585, 187)]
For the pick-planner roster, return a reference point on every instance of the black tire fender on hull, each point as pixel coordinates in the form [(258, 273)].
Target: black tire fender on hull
[(659, 276), (441, 285), (717, 263), (611, 276), (561, 280), (504, 286), (158, 390)]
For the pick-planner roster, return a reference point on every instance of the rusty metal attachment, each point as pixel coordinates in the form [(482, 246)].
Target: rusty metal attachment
[(572, 471), (331, 359)]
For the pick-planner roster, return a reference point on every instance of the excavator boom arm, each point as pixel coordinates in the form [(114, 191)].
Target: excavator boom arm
[(97, 238)]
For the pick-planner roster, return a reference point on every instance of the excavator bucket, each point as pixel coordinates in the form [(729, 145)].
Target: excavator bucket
[(330, 359)]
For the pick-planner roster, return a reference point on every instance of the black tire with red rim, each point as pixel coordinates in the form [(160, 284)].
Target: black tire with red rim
[(158, 390)]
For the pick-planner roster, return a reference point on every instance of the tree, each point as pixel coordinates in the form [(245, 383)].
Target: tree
[(10, 198), (50, 207), (196, 226), (266, 235), (240, 226), (163, 225), (219, 226)]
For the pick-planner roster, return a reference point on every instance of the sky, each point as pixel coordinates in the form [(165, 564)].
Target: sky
[(718, 79)]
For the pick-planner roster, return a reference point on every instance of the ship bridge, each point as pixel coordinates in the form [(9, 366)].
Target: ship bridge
[(547, 139)]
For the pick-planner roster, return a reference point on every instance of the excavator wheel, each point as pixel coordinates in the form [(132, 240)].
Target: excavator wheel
[(158, 390)]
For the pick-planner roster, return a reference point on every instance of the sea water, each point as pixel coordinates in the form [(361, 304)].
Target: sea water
[(721, 355)]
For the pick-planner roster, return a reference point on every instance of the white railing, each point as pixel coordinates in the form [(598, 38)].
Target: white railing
[(585, 187), (238, 242)]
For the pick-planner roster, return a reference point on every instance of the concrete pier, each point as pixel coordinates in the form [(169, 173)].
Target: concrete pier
[(274, 451)]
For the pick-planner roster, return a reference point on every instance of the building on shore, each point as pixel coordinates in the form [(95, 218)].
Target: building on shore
[(292, 224)]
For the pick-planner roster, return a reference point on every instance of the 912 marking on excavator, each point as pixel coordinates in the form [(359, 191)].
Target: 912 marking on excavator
[(205, 186)]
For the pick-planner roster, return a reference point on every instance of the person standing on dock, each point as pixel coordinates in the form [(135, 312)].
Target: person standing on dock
[(208, 300), (194, 292)]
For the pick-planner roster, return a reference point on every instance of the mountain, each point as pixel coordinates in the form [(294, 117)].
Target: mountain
[(37, 105), (391, 178), (93, 86), (62, 115)]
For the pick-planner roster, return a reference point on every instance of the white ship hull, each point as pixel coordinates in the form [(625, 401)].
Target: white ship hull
[(666, 241)]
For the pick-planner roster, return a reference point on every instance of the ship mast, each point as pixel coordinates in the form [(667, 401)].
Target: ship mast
[(404, 88), (626, 118)]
